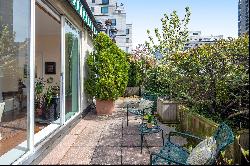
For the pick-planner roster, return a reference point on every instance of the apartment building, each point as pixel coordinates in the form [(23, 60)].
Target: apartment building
[(196, 38), (110, 9), (243, 17)]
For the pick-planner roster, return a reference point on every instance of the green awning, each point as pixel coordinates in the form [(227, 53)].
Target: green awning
[(84, 15)]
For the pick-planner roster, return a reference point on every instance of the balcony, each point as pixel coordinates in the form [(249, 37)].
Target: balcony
[(105, 140)]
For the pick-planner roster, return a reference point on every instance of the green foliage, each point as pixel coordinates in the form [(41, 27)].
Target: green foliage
[(134, 72), (243, 151), (149, 117), (173, 36), (171, 39), (39, 85), (107, 70), (140, 61), (48, 97), (8, 51), (39, 97), (224, 160), (157, 80), (212, 79)]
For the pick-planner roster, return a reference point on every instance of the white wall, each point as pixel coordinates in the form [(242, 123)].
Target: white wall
[(48, 50), (87, 47)]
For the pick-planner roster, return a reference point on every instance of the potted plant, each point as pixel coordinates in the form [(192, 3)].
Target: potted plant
[(150, 120), (107, 73), (39, 87), (49, 107)]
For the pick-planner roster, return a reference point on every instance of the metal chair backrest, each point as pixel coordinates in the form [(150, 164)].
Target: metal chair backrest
[(223, 136)]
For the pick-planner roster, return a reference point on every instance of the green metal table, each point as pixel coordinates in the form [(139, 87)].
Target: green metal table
[(145, 130)]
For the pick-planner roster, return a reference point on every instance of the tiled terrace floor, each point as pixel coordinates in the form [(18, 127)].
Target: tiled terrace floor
[(105, 140)]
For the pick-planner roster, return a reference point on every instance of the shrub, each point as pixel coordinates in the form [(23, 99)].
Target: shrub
[(140, 61), (212, 79), (134, 74), (107, 70)]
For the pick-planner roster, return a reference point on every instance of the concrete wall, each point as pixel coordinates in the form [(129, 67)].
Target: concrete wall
[(87, 47)]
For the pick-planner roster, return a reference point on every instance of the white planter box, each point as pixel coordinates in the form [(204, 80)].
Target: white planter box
[(168, 111), (1, 112)]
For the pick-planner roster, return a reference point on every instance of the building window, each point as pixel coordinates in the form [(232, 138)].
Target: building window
[(127, 31), (127, 48), (105, 2), (104, 10), (92, 9), (127, 40), (195, 33), (113, 22), (93, 1)]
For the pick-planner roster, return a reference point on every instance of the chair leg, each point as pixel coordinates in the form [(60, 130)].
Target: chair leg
[(127, 116), (141, 141), (150, 159), (162, 136)]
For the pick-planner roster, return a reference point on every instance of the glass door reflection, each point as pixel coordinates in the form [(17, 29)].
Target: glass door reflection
[(72, 51)]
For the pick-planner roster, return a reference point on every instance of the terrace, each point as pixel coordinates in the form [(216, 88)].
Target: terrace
[(105, 140)]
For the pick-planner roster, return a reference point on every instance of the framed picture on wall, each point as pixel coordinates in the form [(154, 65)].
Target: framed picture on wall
[(36, 71), (25, 71), (50, 67)]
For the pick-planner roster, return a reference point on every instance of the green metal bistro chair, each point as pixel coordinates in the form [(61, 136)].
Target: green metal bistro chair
[(139, 108), (173, 154), (144, 130), (151, 97)]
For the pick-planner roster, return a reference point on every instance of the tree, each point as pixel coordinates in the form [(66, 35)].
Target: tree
[(8, 50), (161, 77), (140, 61), (174, 34), (107, 70)]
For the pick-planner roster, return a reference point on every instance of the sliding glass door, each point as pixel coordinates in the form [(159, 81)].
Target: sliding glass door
[(14, 74), (72, 52)]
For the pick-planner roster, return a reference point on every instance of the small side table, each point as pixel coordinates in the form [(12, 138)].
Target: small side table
[(145, 130)]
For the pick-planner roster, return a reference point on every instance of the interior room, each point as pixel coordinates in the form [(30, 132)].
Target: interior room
[(47, 69)]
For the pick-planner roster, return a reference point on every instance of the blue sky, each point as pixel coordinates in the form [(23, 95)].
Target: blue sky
[(211, 17)]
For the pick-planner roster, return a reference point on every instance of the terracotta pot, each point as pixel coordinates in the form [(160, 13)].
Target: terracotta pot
[(39, 111), (149, 125), (105, 107)]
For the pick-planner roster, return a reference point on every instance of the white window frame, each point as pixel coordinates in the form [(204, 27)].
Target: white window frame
[(79, 81), (32, 141)]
